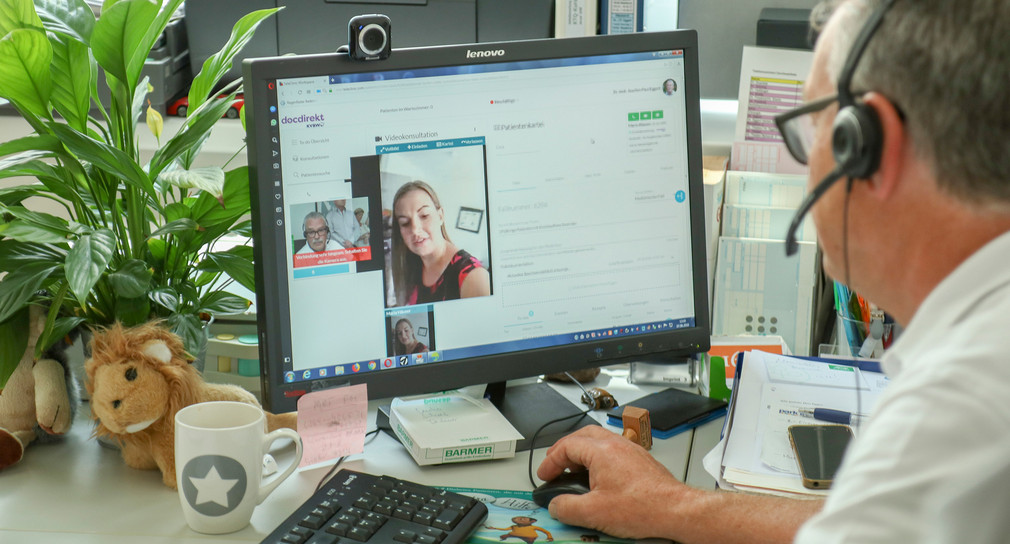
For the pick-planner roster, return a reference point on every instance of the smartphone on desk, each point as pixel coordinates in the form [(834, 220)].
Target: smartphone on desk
[(819, 450)]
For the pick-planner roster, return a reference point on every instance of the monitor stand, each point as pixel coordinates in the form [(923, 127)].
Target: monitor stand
[(527, 407)]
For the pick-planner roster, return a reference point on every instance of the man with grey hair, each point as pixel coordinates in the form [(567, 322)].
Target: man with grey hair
[(910, 194), (317, 234)]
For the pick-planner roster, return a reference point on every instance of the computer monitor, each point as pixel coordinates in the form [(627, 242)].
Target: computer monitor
[(569, 171)]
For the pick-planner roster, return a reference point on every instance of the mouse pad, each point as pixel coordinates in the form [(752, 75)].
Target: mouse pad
[(672, 408), (514, 518)]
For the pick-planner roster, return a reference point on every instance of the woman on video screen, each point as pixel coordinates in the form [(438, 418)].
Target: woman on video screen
[(427, 266), (406, 343)]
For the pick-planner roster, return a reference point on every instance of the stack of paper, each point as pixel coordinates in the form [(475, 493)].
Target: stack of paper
[(451, 429), (754, 453)]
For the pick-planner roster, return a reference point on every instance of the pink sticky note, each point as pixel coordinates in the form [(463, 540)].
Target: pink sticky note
[(332, 423)]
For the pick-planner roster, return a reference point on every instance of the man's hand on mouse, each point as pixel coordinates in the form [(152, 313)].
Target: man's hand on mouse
[(623, 477)]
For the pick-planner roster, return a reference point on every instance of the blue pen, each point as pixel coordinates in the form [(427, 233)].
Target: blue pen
[(835, 416)]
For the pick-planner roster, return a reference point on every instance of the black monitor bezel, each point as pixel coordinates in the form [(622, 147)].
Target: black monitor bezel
[(280, 397)]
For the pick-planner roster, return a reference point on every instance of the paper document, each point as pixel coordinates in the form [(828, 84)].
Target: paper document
[(755, 453), (758, 290), (332, 423), (771, 82)]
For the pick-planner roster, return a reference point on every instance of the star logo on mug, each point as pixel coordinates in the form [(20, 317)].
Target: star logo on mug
[(213, 484)]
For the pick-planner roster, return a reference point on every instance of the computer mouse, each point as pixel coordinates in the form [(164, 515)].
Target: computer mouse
[(567, 483)]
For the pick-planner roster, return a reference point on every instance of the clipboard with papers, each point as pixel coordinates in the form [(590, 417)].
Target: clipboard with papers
[(769, 392)]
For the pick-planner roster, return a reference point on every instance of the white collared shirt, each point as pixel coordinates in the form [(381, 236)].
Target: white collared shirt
[(948, 403)]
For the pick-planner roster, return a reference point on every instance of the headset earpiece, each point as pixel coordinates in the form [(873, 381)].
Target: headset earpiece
[(856, 141)]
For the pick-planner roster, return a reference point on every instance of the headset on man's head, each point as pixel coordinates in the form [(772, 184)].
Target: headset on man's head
[(856, 139)]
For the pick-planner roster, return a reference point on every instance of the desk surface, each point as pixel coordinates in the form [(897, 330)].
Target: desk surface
[(77, 491)]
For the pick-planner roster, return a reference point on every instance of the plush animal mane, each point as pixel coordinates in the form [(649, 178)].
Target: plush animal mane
[(116, 344)]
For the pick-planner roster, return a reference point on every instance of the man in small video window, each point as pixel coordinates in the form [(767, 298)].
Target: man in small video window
[(317, 234), (669, 87)]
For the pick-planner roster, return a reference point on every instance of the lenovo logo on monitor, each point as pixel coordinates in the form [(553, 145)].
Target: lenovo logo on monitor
[(486, 53)]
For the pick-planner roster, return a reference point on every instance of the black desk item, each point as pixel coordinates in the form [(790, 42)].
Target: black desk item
[(673, 410), (354, 506)]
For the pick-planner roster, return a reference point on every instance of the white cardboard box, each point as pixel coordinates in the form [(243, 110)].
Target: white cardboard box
[(451, 429)]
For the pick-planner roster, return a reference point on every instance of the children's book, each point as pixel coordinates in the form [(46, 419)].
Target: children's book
[(514, 517)]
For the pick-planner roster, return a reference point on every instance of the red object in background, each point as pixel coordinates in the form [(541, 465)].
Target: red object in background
[(181, 107)]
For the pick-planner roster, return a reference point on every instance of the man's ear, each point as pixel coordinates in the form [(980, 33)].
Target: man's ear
[(894, 142)]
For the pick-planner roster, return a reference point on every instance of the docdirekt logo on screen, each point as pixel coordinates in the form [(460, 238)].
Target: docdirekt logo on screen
[(310, 120)]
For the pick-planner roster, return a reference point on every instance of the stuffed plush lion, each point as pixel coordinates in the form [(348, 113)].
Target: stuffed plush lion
[(138, 378)]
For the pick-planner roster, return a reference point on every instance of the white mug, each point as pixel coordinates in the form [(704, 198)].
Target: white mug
[(219, 454)]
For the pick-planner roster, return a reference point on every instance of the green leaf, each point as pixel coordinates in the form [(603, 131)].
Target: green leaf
[(166, 297), (236, 263), (13, 343), (119, 36), (56, 180), (177, 210), (132, 280), (196, 130), (209, 179), (15, 195), (218, 64), (190, 330), (23, 231), (14, 254), (73, 73), (184, 225), (139, 99), (223, 303), (42, 219), (61, 327), (25, 56), (158, 249), (88, 260), (133, 311), (19, 286), (209, 212), (71, 17), (105, 157), (18, 14), (20, 161), (35, 142)]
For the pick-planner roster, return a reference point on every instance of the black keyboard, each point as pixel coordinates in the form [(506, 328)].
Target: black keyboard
[(358, 507)]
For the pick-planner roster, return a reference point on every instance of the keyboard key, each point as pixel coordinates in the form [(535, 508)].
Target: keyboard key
[(404, 512), (425, 539), (324, 538), (328, 504), (292, 539), (321, 512), (424, 518), (366, 502), (403, 535), (447, 519), (338, 528), (435, 533), (359, 534), (312, 522)]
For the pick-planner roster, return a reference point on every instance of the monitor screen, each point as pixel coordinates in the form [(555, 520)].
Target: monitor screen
[(469, 214)]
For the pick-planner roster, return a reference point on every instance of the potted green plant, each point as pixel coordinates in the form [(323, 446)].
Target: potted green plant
[(136, 240)]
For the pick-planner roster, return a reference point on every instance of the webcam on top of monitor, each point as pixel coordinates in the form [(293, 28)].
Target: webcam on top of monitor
[(368, 37)]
